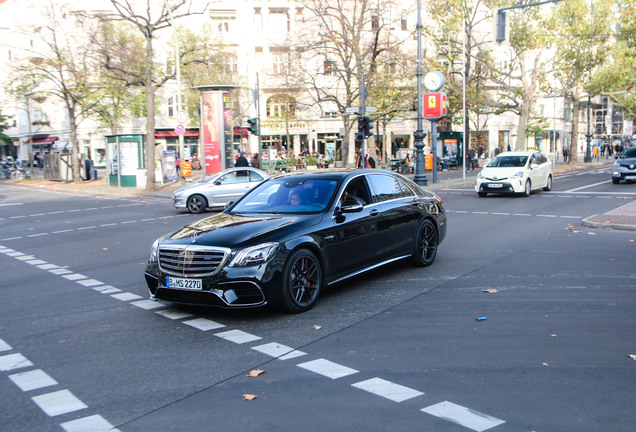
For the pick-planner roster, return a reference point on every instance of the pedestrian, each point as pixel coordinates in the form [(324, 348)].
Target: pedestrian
[(366, 162), (471, 152), (595, 152), (241, 161), (255, 162), (177, 165), (468, 160), (565, 154)]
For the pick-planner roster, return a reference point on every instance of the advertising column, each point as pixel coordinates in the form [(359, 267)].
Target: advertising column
[(212, 125)]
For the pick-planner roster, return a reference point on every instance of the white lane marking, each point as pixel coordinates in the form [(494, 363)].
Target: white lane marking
[(74, 276), (36, 262), (60, 271), (463, 416), (95, 423), (147, 304), (13, 361), (90, 282), (11, 204), (126, 296), (548, 216), (203, 324), (4, 346), (32, 380), (59, 402), (106, 289), (14, 254), (37, 235), (521, 214), (238, 336), (62, 231), (588, 186), (277, 350), (47, 266), (173, 314), (327, 368), (24, 257), (387, 389)]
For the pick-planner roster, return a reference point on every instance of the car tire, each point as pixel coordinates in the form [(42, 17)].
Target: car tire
[(426, 243), (196, 204), (302, 282), (527, 189), (482, 194), (17, 175), (616, 180), (548, 186)]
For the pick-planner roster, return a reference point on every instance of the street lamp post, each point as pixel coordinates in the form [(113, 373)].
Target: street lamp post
[(588, 135), (420, 176)]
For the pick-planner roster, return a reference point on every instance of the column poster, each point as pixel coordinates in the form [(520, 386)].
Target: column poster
[(227, 130), (211, 126)]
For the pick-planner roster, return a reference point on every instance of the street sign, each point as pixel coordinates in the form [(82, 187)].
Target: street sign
[(352, 110), (180, 129), (182, 116), (372, 109)]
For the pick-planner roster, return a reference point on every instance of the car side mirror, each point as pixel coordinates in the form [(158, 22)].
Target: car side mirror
[(351, 208), (228, 205), (217, 182)]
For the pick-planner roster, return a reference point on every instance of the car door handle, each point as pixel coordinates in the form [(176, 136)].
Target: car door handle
[(374, 212)]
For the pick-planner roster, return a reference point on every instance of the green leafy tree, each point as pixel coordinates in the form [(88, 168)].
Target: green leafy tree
[(617, 77), (585, 49), (145, 18)]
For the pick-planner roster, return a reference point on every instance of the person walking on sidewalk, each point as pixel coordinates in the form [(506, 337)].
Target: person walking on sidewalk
[(565, 154)]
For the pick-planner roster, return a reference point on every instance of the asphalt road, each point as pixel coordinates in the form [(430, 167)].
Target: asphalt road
[(398, 349)]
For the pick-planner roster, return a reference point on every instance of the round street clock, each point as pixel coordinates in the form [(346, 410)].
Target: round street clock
[(434, 80)]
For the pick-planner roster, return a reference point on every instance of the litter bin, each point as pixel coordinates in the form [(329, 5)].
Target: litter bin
[(428, 162)]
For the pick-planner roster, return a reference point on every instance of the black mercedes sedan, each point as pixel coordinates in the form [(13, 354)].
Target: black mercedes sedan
[(295, 234)]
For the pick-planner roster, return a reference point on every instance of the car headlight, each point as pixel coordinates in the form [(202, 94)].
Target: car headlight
[(254, 255), (518, 175), (480, 176), (154, 250)]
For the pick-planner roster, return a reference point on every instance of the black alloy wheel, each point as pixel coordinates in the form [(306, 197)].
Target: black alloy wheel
[(196, 204), (426, 244), (302, 281)]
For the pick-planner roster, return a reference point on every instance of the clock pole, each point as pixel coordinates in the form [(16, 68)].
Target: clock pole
[(420, 176)]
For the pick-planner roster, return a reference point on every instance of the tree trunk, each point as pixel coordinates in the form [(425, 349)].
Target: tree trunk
[(574, 145), (75, 161), (150, 118), (522, 128)]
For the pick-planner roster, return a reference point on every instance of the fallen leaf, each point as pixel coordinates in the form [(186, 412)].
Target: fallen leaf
[(249, 397), (553, 335), (255, 373), (569, 227), (591, 233), (545, 364), (317, 327), (632, 356), (575, 231), (104, 248), (490, 291), (631, 240)]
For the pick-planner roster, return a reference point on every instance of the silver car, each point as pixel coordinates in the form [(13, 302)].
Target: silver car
[(218, 190), (625, 166)]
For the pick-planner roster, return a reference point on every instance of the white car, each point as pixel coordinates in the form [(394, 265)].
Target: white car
[(518, 172), (218, 190)]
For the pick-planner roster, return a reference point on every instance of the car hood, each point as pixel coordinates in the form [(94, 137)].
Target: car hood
[(191, 187), (500, 173), (234, 231)]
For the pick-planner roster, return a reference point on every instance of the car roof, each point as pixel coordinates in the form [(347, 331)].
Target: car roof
[(518, 153), (331, 173)]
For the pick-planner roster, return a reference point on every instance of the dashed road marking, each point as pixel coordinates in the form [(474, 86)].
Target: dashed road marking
[(387, 389), (238, 336), (463, 416), (32, 380), (58, 403), (328, 368)]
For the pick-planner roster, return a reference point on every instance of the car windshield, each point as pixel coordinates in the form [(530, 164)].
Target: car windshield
[(508, 162), (629, 153), (289, 195)]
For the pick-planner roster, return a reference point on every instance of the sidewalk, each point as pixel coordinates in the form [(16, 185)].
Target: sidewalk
[(621, 218)]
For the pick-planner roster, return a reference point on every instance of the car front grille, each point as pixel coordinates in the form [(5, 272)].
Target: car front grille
[(191, 260)]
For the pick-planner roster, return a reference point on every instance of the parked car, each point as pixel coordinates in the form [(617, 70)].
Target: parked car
[(216, 191), (294, 234), (515, 173), (625, 166)]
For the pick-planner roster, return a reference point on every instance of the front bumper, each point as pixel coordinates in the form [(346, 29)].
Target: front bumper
[(509, 185), (242, 287), (179, 202), (622, 173)]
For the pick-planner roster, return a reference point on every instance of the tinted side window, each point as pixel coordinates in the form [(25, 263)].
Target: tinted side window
[(406, 191), (385, 187), (255, 177)]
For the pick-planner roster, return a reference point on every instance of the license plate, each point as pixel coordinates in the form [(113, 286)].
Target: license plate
[(630, 177), (181, 283), (495, 185)]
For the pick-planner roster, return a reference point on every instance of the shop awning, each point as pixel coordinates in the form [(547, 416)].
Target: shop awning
[(47, 140), (172, 134)]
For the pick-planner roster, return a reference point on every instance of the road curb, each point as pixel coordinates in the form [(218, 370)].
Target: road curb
[(588, 222)]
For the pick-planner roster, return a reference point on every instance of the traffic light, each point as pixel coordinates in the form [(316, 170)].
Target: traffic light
[(361, 127), (253, 125), (368, 125)]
